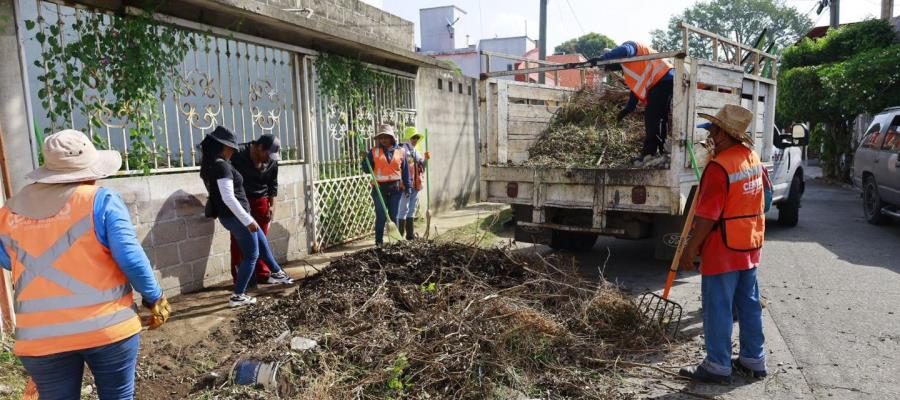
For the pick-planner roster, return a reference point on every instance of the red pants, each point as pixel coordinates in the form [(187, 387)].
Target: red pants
[(259, 210)]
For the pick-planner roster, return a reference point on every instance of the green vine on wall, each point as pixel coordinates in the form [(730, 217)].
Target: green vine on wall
[(111, 66)]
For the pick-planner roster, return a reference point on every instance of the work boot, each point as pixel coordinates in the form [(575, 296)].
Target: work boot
[(701, 374), (410, 235), (401, 226), (743, 370)]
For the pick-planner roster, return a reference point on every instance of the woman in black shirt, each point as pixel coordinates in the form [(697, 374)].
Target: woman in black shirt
[(228, 202)]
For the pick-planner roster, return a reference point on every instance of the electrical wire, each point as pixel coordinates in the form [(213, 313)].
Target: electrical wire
[(572, 9)]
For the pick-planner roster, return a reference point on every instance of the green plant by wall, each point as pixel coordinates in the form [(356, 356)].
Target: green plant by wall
[(111, 66)]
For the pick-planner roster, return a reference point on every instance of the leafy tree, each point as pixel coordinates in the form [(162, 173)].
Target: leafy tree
[(589, 45), (739, 20), (852, 70)]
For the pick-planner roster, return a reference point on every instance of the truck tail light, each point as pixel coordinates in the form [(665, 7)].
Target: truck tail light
[(512, 189), (639, 195)]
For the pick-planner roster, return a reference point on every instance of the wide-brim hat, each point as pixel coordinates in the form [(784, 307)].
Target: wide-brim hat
[(69, 157), (386, 130), (224, 136), (733, 119), (411, 132)]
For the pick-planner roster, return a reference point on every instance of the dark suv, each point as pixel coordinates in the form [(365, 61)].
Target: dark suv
[(876, 167)]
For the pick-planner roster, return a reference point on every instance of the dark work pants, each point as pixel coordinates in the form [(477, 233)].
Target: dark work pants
[(656, 117)]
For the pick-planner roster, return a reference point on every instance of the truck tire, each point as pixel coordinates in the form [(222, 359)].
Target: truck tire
[(872, 203), (573, 241), (789, 210)]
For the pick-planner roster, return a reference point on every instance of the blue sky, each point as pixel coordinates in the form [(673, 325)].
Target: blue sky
[(620, 20)]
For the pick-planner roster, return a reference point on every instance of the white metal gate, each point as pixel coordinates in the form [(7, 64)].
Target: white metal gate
[(341, 190)]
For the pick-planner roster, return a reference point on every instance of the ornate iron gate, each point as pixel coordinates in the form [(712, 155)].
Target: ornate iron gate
[(341, 192)]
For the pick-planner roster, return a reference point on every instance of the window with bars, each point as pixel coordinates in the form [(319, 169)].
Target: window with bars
[(246, 86)]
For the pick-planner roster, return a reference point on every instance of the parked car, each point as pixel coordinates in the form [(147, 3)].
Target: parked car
[(876, 167)]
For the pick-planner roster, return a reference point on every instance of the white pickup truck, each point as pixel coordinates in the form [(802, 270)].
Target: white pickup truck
[(569, 208)]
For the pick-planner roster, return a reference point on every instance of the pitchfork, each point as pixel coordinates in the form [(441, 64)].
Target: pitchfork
[(659, 309)]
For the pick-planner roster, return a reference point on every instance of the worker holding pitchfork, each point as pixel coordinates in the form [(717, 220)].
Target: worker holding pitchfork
[(388, 165), (727, 233)]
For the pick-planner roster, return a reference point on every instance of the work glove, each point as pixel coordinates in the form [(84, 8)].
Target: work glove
[(427, 155), (159, 312)]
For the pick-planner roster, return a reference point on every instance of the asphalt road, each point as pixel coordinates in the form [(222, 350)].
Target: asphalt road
[(833, 290)]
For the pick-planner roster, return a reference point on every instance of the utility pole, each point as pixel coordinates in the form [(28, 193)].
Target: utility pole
[(834, 7), (887, 9), (542, 40)]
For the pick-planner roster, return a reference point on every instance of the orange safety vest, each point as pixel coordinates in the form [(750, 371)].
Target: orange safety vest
[(69, 292), (743, 221), (640, 76), (416, 171), (386, 171)]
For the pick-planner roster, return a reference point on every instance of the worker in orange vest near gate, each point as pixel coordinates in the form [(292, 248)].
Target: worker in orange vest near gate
[(75, 258), (391, 172), (728, 234), (650, 82)]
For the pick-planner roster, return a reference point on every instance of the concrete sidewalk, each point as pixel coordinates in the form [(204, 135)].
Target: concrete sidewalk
[(197, 315)]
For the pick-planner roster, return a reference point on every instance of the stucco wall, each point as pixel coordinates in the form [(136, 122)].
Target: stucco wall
[(451, 120), (358, 17), (189, 251)]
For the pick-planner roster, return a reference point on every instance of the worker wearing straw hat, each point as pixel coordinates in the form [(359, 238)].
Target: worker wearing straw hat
[(728, 234), (391, 171), (416, 162), (75, 258)]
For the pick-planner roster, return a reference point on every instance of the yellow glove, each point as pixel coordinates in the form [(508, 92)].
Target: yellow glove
[(159, 313)]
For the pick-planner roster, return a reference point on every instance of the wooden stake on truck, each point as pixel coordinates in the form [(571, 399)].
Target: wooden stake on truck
[(6, 305)]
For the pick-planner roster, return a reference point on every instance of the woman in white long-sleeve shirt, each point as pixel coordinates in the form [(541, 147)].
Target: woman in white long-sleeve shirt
[(228, 203)]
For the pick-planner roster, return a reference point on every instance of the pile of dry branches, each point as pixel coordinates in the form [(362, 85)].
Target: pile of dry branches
[(449, 321), (584, 132)]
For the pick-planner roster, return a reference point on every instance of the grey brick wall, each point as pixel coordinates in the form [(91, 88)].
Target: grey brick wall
[(358, 17), (189, 251)]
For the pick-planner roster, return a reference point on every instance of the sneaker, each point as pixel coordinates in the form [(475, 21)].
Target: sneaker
[(240, 300), (742, 370), (280, 278), (700, 374)]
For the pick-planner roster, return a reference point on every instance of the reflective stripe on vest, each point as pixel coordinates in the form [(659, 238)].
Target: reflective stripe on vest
[(71, 294), (640, 76), (743, 220), (388, 171)]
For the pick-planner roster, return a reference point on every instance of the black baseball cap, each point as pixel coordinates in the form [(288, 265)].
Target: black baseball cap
[(271, 144)]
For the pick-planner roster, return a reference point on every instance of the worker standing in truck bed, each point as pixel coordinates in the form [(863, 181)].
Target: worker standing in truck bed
[(650, 83)]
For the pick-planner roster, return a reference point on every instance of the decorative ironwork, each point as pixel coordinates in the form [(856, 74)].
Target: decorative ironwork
[(208, 94)]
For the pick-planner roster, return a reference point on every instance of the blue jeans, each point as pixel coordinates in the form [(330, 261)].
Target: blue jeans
[(408, 205), (720, 293), (254, 245), (392, 201), (58, 376)]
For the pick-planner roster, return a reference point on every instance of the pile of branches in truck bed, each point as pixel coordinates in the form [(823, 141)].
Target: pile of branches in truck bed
[(450, 321), (584, 132)]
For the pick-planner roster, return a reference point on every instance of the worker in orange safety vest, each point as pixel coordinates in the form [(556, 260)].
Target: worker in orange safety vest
[(650, 83), (391, 173), (728, 233), (75, 259)]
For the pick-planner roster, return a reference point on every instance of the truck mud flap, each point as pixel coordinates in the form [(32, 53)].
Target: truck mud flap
[(533, 234)]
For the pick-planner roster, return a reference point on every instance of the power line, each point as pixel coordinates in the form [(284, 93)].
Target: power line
[(572, 9)]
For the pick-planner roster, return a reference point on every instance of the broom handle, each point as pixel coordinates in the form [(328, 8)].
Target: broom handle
[(427, 177), (686, 229)]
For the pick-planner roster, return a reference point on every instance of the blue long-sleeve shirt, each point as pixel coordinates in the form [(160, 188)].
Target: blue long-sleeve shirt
[(629, 49), (389, 154), (112, 225)]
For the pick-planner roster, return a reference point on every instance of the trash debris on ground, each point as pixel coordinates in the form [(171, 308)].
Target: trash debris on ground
[(584, 133), (450, 321)]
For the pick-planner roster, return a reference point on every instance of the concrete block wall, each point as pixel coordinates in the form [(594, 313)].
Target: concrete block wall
[(358, 17), (450, 115), (189, 251)]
